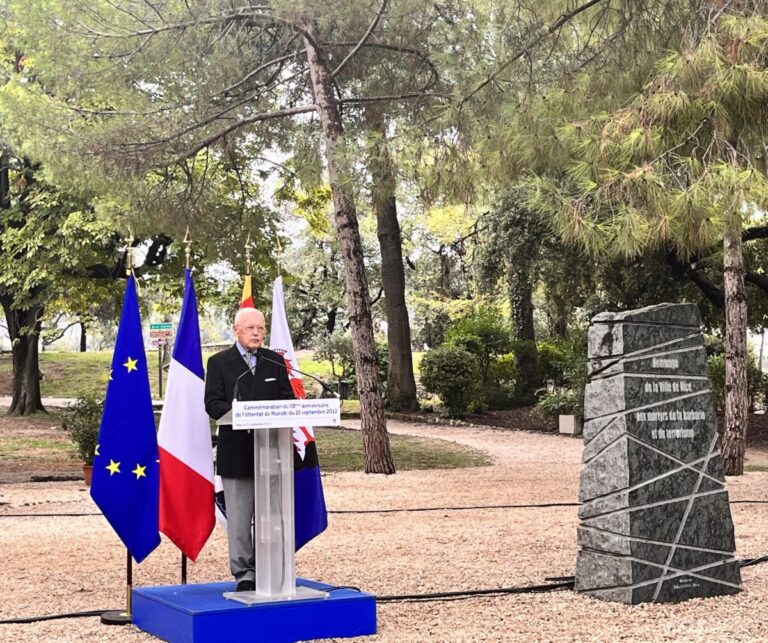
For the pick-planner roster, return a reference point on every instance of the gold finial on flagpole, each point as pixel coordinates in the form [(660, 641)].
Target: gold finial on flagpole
[(129, 255), (248, 255), (188, 250)]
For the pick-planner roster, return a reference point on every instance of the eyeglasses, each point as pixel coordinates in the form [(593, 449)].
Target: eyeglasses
[(259, 330)]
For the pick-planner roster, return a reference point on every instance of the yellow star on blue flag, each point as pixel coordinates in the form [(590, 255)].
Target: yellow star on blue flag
[(127, 434)]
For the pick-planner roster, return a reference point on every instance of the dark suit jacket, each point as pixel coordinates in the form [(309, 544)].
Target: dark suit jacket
[(234, 453)]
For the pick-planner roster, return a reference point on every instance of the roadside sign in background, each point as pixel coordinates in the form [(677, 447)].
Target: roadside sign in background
[(160, 335)]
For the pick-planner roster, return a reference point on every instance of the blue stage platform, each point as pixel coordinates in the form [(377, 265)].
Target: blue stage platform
[(200, 614)]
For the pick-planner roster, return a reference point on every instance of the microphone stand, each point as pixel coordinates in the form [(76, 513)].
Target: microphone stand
[(326, 388), (236, 396)]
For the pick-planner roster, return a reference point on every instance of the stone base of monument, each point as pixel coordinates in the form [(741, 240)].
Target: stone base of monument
[(201, 614), (655, 519), (644, 582)]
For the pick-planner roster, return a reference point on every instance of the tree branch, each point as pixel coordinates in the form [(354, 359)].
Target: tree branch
[(761, 281), (403, 50), (262, 67), (561, 20), (377, 297), (244, 12), (242, 122), (60, 332), (758, 232), (405, 96), (365, 37), (709, 289)]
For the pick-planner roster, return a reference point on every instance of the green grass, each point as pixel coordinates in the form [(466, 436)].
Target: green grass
[(760, 468), (342, 450), (350, 406), (338, 449)]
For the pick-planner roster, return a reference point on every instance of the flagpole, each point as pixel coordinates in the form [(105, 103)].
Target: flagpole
[(279, 255), (122, 617), (188, 250), (118, 617), (187, 261), (248, 255)]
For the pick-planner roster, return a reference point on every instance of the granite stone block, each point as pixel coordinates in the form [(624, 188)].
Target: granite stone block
[(632, 340), (677, 314), (655, 518)]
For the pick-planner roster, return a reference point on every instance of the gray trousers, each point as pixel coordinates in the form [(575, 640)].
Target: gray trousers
[(238, 498)]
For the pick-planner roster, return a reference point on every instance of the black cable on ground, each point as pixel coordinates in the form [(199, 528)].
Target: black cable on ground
[(748, 562), (51, 617), (471, 593), (545, 505), (559, 583), (69, 515)]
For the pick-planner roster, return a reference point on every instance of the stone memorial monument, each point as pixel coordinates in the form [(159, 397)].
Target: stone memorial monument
[(655, 523)]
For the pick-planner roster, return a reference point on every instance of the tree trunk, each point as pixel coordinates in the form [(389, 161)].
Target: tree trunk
[(378, 457), (558, 318), (736, 395), (82, 337), (521, 304), (401, 384), (24, 332)]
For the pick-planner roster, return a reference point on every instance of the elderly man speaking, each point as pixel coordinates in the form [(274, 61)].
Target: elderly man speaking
[(240, 372)]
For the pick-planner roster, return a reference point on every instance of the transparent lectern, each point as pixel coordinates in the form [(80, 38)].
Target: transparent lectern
[(272, 424)]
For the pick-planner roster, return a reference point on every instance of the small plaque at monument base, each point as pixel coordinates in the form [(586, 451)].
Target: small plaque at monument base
[(655, 523)]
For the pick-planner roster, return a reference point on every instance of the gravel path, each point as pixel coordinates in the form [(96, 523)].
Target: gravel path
[(52, 565)]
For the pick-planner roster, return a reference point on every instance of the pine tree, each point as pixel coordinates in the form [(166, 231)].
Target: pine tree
[(682, 166)]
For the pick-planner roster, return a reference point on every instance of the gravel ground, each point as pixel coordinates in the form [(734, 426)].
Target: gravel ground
[(67, 564)]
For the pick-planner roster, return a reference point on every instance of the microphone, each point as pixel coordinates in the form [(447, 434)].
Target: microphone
[(326, 388), (237, 382)]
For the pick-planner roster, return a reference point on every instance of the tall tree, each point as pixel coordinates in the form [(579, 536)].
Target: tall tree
[(375, 438), (681, 167), (401, 383), (515, 234), (185, 78), (45, 235)]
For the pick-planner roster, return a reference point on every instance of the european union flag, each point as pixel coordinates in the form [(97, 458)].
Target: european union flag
[(125, 470)]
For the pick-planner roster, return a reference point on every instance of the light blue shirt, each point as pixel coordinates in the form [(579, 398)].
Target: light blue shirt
[(248, 358)]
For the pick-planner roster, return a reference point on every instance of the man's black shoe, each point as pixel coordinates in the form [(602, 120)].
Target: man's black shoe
[(245, 586)]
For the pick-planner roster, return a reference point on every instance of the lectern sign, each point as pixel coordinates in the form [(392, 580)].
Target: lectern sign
[(273, 414)]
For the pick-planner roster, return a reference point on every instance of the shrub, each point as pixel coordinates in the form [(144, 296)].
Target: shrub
[(563, 366), (554, 361), (499, 392), (560, 402), (337, 348), (484, 333), (81, 421), (453, 374)]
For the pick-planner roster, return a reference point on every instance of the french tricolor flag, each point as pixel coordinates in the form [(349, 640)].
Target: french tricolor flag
[(184, 439)]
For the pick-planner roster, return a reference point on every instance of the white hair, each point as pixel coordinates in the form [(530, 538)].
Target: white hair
[(245, 311)]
